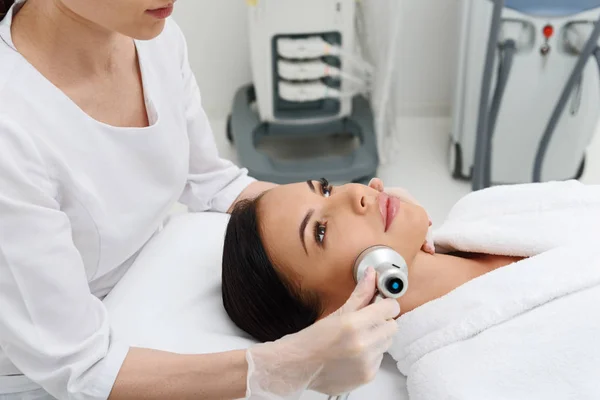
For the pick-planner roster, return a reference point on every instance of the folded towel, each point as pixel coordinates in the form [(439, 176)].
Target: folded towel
[(521, 220), (530, 330)]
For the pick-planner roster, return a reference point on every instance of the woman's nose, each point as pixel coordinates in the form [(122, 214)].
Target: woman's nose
[(359, 200)]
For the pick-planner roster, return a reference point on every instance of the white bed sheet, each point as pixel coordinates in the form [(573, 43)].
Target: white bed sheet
[(170, 300)]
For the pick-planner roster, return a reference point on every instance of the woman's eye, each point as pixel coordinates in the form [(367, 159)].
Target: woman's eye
[(325, 187), (320, 233)]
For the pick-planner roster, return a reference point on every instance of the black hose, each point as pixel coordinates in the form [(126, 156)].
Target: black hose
[(508, 50), (597, 57), (483, 138), (587, 51)]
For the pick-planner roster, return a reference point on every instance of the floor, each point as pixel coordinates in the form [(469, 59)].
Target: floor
[(421, 163)]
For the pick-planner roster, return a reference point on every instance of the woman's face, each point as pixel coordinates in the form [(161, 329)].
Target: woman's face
[(313, 233), (139, 19)]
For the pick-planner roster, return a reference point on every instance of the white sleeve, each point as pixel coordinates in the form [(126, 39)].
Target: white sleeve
[(213, 183), (51, 327)]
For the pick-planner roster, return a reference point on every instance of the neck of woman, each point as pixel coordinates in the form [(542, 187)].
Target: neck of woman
[(433, 276), (46, 30)]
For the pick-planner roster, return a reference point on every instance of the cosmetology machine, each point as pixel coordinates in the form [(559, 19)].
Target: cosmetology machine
[(391, 268), (527, 99), (307, 83)]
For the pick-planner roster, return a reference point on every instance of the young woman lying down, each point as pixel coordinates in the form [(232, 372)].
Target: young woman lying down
[(496, 298), (289, 255)]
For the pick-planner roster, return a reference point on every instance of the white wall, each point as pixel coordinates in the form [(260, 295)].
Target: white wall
[(216, 33), (427, 57), (217, 38)]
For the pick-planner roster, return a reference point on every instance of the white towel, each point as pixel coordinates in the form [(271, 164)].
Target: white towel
[(521, 220), (530, 330)]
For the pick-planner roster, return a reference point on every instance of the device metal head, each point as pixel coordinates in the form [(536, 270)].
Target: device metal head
[(391, 268)]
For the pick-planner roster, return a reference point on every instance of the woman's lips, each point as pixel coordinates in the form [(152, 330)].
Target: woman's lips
[(161, 13), (388, 207)]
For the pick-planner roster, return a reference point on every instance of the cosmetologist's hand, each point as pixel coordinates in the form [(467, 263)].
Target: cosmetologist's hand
[(334, 356)]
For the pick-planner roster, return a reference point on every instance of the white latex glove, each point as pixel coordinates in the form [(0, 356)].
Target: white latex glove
[(334, 356), (403, 195)]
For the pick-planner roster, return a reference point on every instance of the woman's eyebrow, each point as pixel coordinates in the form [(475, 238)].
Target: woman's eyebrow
[(303, 225), (311, 186)]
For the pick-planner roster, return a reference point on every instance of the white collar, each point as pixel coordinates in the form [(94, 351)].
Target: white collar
[(6, 23)]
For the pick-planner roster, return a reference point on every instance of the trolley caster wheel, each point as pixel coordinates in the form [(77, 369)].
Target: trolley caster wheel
[(455, 160), (581, 169), (229, 132)]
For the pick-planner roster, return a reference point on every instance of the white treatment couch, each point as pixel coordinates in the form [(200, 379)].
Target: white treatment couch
[(170, 300)]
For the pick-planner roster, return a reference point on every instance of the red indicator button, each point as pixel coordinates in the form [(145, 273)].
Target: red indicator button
[(548, 31)]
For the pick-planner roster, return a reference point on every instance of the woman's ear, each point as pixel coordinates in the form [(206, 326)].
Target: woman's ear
[(376, 184)]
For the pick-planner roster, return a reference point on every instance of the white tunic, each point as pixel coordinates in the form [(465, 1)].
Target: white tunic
[(79, 199)]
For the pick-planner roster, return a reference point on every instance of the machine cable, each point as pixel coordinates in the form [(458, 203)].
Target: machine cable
[(508, 49), (597, 57), (483, 139)]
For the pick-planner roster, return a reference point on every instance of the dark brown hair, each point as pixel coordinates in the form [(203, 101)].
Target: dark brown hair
[(4, 6), (257, 298)]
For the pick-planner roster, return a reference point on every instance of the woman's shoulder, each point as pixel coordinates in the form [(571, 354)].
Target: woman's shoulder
[(16, 93), (18, 90), (19, 100), (11, 64), (173, 32)]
